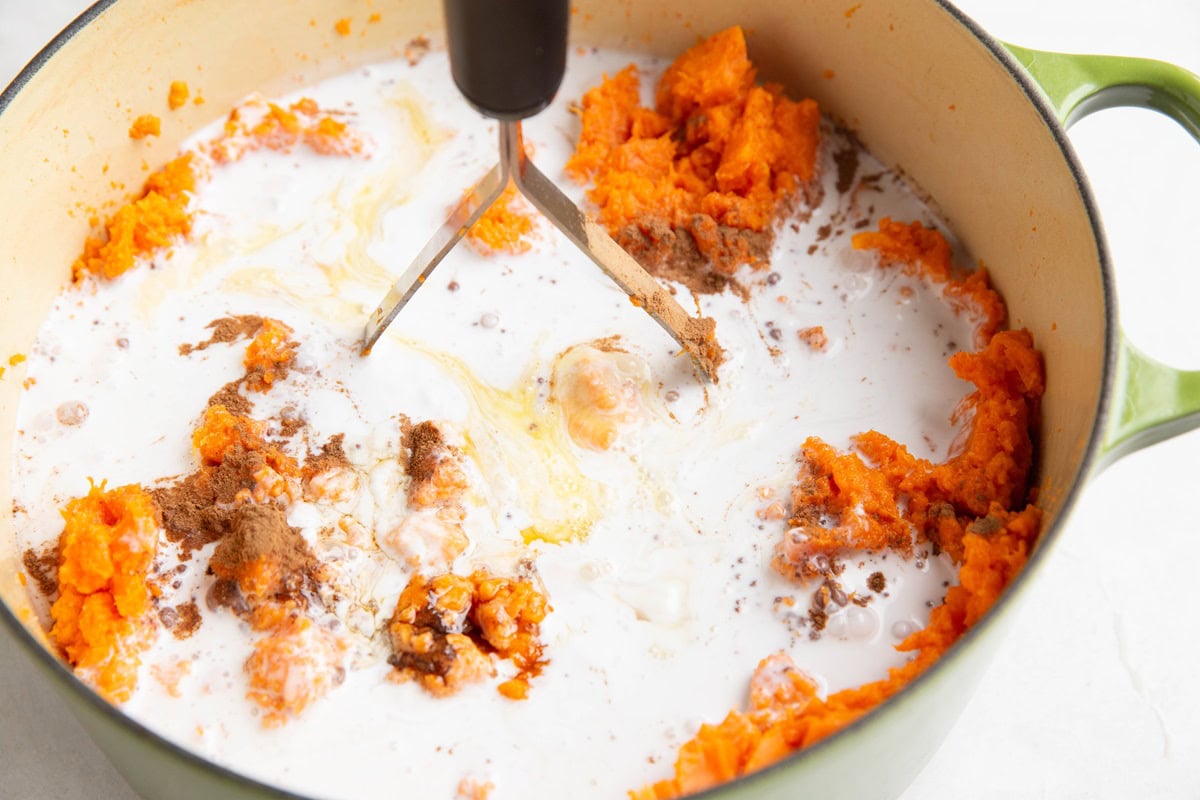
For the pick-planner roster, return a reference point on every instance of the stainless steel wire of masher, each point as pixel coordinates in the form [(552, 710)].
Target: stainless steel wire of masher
[(508, 60)]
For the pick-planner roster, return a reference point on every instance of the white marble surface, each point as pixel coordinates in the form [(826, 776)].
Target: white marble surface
[(1094, 695)]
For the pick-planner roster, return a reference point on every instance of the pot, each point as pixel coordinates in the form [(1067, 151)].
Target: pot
[(982, 133)]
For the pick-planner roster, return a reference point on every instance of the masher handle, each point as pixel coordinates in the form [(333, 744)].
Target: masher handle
[(507, 56)]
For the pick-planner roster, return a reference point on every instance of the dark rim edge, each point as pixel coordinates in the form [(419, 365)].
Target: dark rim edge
[(1033, 93)]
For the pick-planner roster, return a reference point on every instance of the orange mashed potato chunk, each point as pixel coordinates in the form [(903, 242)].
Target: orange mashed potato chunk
[(221, 432), (447, 630), (102, 617), (178, 95), (886, 499), (144, 225), (294, 667), (717, 151), (145, 125), (505, 227), (430, 538), (269, 355), (599, 393)]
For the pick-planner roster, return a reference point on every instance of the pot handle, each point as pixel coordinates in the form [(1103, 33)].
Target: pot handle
[(1151, 401)]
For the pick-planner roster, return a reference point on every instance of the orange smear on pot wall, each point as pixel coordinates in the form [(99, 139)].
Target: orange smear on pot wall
[(973, 506), (716, 154), (102, 617)]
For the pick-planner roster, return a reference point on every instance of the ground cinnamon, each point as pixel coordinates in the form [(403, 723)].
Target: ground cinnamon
[(226, 330), (43, 568)]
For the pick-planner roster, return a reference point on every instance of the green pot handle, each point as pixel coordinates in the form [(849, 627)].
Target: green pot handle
[(1151, 401)]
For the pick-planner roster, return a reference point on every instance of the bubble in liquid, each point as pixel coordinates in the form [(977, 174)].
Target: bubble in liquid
[(836, 627), (904, 628), (489, 320), (861, 623), (594, 570)]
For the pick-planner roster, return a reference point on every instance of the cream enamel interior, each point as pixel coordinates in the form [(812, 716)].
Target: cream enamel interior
[(949, 115)]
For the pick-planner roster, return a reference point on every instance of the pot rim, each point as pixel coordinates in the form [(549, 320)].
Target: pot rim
[(1033, 93)]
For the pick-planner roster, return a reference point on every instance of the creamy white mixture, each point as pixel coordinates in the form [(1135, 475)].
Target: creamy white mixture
[(661, 611)]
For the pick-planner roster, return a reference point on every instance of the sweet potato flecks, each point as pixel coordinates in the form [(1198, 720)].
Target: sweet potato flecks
[(717, 154), (447, 630), (256, 125), (102, 617), (144, 225)]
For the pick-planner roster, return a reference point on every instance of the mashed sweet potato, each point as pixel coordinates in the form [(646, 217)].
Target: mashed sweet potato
[(103, 615), (785, 715), (973, 506), (447, 630), (160, 214), (293, 667), (143, 226), (506, 227), (718, 154)]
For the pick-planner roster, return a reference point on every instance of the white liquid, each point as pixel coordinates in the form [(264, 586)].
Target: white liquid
[(661, 614)]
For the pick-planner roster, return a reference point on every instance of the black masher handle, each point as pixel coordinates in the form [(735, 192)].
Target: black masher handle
[(507, 56)]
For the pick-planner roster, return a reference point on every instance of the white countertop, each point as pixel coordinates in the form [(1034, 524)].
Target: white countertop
[(1095, 693)]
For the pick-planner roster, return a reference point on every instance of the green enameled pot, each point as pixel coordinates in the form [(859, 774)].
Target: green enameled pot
[(977, 124)]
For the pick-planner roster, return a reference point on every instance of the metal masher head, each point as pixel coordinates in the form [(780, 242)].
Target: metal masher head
[(508, 60)]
